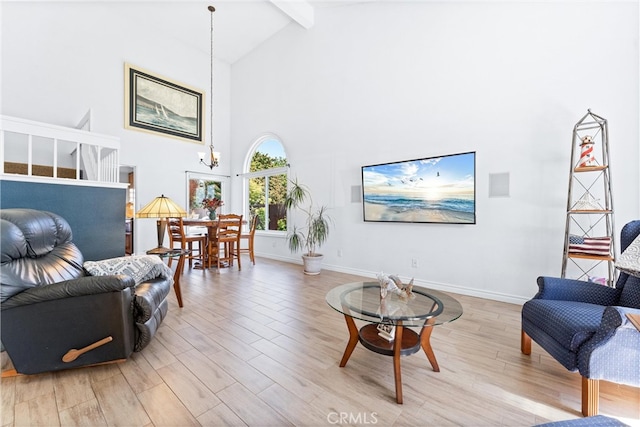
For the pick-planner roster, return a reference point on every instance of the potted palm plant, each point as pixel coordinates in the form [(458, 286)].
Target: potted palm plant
[(315, 231)]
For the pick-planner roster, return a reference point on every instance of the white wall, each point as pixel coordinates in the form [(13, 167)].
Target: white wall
[(390, 81), (367, 84), (60, 59)]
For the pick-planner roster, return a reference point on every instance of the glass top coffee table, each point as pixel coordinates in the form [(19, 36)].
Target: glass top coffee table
[(388, 319)]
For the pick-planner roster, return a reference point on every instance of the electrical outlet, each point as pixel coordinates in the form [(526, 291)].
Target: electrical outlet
[(414, 263), (339, 253)]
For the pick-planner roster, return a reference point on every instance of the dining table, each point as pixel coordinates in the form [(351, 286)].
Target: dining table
[(212, 231), (211, 224)]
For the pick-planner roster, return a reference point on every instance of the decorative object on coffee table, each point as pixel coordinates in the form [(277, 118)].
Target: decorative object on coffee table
[(393, 283)]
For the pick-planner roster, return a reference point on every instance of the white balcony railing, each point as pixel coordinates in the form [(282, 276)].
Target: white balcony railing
[(35, 149)]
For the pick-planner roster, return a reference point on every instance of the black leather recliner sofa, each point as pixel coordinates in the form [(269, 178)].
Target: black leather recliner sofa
[(51, 307)]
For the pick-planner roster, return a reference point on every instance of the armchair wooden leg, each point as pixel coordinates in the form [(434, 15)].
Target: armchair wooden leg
[(590, 394), (525, 342)]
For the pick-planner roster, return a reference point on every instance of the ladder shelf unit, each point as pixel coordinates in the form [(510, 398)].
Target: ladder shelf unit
[(589, 240)]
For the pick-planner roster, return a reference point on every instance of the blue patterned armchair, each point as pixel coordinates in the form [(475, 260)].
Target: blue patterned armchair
[(583, 325)]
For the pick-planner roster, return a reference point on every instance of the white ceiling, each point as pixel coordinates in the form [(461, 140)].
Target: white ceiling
[(239, 25)]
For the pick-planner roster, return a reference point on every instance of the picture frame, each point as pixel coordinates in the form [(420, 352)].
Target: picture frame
[(159, 105)]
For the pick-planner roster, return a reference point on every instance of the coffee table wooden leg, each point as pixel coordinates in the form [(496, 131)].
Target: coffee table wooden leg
[(353, 340), (425, 342), (397, 345), (176, 279)]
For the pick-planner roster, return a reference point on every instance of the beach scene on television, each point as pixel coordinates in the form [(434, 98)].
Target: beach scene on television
[(435, 189)]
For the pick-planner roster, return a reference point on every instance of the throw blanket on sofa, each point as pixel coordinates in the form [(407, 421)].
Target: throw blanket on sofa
[(629, 260), (140, 267)]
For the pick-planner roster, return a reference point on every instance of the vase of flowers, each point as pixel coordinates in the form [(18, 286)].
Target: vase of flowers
[(212, 205)]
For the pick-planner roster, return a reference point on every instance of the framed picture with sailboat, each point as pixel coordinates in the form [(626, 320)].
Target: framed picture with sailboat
[(159, 105)]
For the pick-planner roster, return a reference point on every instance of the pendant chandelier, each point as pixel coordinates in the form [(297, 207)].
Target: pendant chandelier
[(214, 156)]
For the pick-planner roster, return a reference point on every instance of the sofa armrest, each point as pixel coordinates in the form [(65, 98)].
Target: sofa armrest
[(555, 288), (150, 308), (613, 352), (88, 285), (149, 295)]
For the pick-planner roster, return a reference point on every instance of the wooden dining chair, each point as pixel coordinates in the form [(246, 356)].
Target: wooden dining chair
[(179, 239), (228, 239), (249, 238)]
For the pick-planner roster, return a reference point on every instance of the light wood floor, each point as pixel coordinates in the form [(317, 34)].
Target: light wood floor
[(261, 347)]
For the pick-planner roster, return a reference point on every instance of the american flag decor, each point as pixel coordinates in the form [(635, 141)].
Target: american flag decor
[(590, 245)]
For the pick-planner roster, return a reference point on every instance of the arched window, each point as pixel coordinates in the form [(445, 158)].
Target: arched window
[(266, 174)]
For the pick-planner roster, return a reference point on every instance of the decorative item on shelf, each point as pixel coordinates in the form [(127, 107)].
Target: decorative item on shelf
[(214, 156), (587, 203), (586, 152), (212, 206), (387, 331), (313, 234), (599, 280), (161, 207), (585, 245)]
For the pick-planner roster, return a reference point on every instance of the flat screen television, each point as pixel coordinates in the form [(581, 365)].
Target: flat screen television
[(430, 190)]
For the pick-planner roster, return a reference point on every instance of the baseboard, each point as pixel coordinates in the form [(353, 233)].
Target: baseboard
[(445, 287)]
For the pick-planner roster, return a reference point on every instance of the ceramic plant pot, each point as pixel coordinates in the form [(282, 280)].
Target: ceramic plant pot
[(312, 264)]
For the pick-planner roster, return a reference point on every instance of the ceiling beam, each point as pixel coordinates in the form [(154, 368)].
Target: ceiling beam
[(299, 10)]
